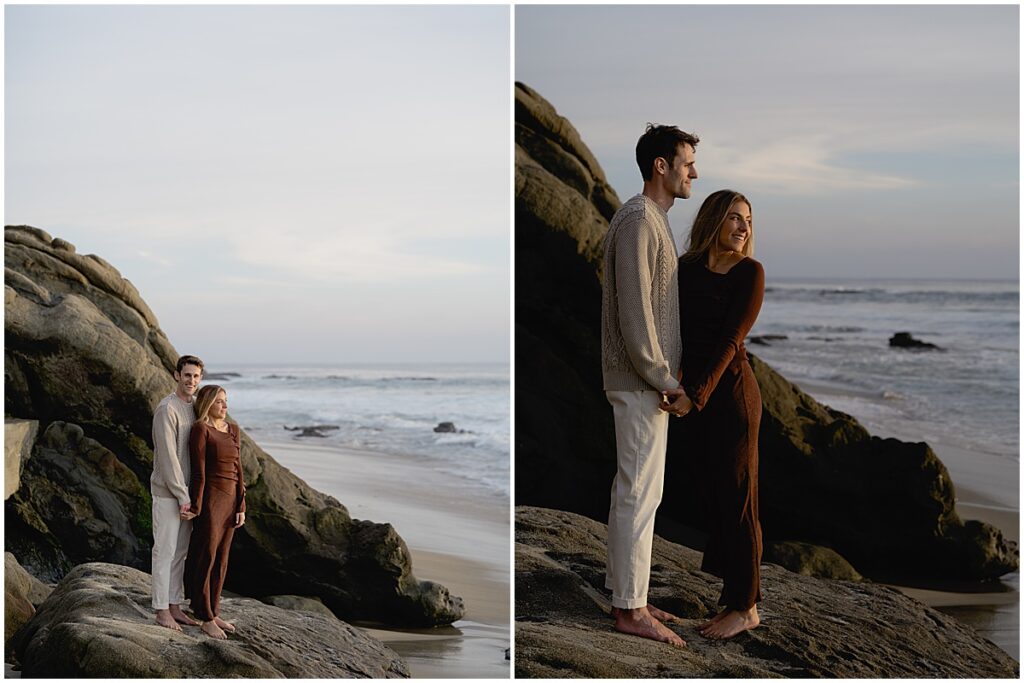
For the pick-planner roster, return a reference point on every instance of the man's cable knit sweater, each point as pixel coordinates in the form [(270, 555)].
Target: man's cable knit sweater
[(640, 344)]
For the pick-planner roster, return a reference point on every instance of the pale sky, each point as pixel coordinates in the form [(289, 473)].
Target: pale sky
[(872, 141), (282, 184)]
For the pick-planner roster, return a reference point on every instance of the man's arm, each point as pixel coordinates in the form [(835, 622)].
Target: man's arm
[(165, 454), (636, 249)]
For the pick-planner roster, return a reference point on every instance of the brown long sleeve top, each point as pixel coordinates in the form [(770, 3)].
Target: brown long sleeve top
[(717, 311), (215, 455)]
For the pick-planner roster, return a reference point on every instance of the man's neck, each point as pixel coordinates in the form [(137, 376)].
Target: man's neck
[(658, 195), (183, 397)]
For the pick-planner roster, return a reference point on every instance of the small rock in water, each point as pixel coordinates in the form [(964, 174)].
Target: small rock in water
[(312, 430), (763, 339), (904, 340), (446, 428)]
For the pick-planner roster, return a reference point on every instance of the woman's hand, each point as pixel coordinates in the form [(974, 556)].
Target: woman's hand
[(239, 519), (185, 512)]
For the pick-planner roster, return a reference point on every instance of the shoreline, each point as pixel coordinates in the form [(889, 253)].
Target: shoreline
[(457, 533)]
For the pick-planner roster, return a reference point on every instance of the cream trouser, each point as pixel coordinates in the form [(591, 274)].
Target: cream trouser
[(641, 435), (170, 545)]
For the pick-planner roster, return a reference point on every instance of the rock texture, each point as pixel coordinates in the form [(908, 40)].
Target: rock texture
[(886, 506), (298, 602), (86, 358), (810, 560), (23, 593), (97, 624), (810, 628), (19, 435)]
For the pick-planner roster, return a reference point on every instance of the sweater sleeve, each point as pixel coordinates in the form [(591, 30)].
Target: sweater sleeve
[(742, 314), (165, 454), (238, 468), (197, 453), (636, 255)]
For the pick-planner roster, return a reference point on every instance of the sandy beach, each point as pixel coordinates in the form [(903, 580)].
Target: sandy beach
[(458, 534), (987, 489)]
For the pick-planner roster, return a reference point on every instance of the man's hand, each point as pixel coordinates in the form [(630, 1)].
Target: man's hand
[(185, 512), (678, 407)]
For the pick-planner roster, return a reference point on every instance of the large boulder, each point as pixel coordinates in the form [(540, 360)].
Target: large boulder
[(887, 506), (23, 593), (19, 435), (811, 628), (97, 624), (86, 358)]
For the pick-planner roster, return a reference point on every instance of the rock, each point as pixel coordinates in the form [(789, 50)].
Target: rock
[(446, 428), (886, 506), (298, 602), (22, 594), (98, 624), (312, 430), (19, 435), (220, 376), (811, 628), (84, 352), (905, 340), (810, 560), (765, 339)]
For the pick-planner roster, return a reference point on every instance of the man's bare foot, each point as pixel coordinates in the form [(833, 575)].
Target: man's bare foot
[(164, 618), (639, 622), (211, 629), (660, 615), (181, 617), (230, 628), (713, 620), (733, 623)]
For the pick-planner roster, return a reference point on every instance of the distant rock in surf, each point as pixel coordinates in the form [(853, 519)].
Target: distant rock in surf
[(220, 376), (764, 339), (448, 428), (312, 430), (904, 340)]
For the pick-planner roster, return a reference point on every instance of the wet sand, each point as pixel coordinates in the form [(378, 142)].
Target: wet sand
[(987, 489), (458, 535)]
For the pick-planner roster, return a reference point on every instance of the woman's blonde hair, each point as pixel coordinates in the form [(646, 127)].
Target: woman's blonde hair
[(204, 399), (712, 214)]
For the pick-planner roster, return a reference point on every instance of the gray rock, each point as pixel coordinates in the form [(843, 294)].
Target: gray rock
[(19, 436), (83, 349), (23, 593), (810, 560), (905, 340), (811, 628), (98, 624), (298, 602)]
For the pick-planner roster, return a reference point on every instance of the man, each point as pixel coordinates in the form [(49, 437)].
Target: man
[(172, 518), (641, 352)]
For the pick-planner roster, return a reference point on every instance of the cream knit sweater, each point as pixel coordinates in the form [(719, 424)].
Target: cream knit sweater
[(172, 424), (640, 344)]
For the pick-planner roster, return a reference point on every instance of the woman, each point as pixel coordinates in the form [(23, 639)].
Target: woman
[(720, 292), (218, 501)]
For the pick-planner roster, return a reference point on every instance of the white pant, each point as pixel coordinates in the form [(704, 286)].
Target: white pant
[(641, 435), (170, 545)]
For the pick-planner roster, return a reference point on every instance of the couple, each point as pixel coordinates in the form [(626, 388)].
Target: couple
[(197, 474), (672, 344)]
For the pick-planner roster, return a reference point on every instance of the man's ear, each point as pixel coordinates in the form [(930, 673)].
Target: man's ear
[(660, 165), (177, 376)]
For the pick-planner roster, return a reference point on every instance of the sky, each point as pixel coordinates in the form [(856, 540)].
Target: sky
[(319, 184), (872, 141)]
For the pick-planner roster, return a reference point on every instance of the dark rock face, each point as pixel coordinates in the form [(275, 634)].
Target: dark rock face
[(810, 560), (905, 340), (885, 505), (97, 624), (811, 628), (85, 357)]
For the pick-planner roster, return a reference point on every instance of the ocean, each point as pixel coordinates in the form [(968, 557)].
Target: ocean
[(966, 395), (384, 408)]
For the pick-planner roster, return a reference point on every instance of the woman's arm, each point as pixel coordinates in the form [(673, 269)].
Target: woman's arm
[(238, 470), (740, 318), (197, 454)]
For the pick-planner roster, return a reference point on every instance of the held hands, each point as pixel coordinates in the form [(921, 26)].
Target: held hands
[(239, 519), (186, 513), (676, 402)]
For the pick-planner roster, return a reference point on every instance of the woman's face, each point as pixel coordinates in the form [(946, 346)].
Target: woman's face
[(736, 229), (219, 409)]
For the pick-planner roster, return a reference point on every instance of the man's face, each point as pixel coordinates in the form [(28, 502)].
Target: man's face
[(188, 379), (681, 173)]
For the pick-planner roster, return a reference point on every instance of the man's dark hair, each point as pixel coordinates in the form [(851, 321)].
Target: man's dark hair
[(188, 360), (660, 141)]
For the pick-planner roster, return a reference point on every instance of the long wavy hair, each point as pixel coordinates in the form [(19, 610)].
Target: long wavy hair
[(205, 397), (708, 223)]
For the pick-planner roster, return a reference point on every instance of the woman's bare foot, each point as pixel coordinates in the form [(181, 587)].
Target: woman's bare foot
[(211, 629), (639, 622), (164, 618), (230, 628), (733, 623), (181, 617)]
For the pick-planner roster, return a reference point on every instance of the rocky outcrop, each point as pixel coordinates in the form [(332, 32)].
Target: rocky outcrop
[(19, 435), (810, 560), (905, 340), (886, 506), (811, 628), (23, 593), (98, 624), (298, 602), (85, 357)]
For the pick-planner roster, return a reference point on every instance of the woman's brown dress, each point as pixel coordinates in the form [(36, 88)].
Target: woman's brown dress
[(218, 494), (719, 437)]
